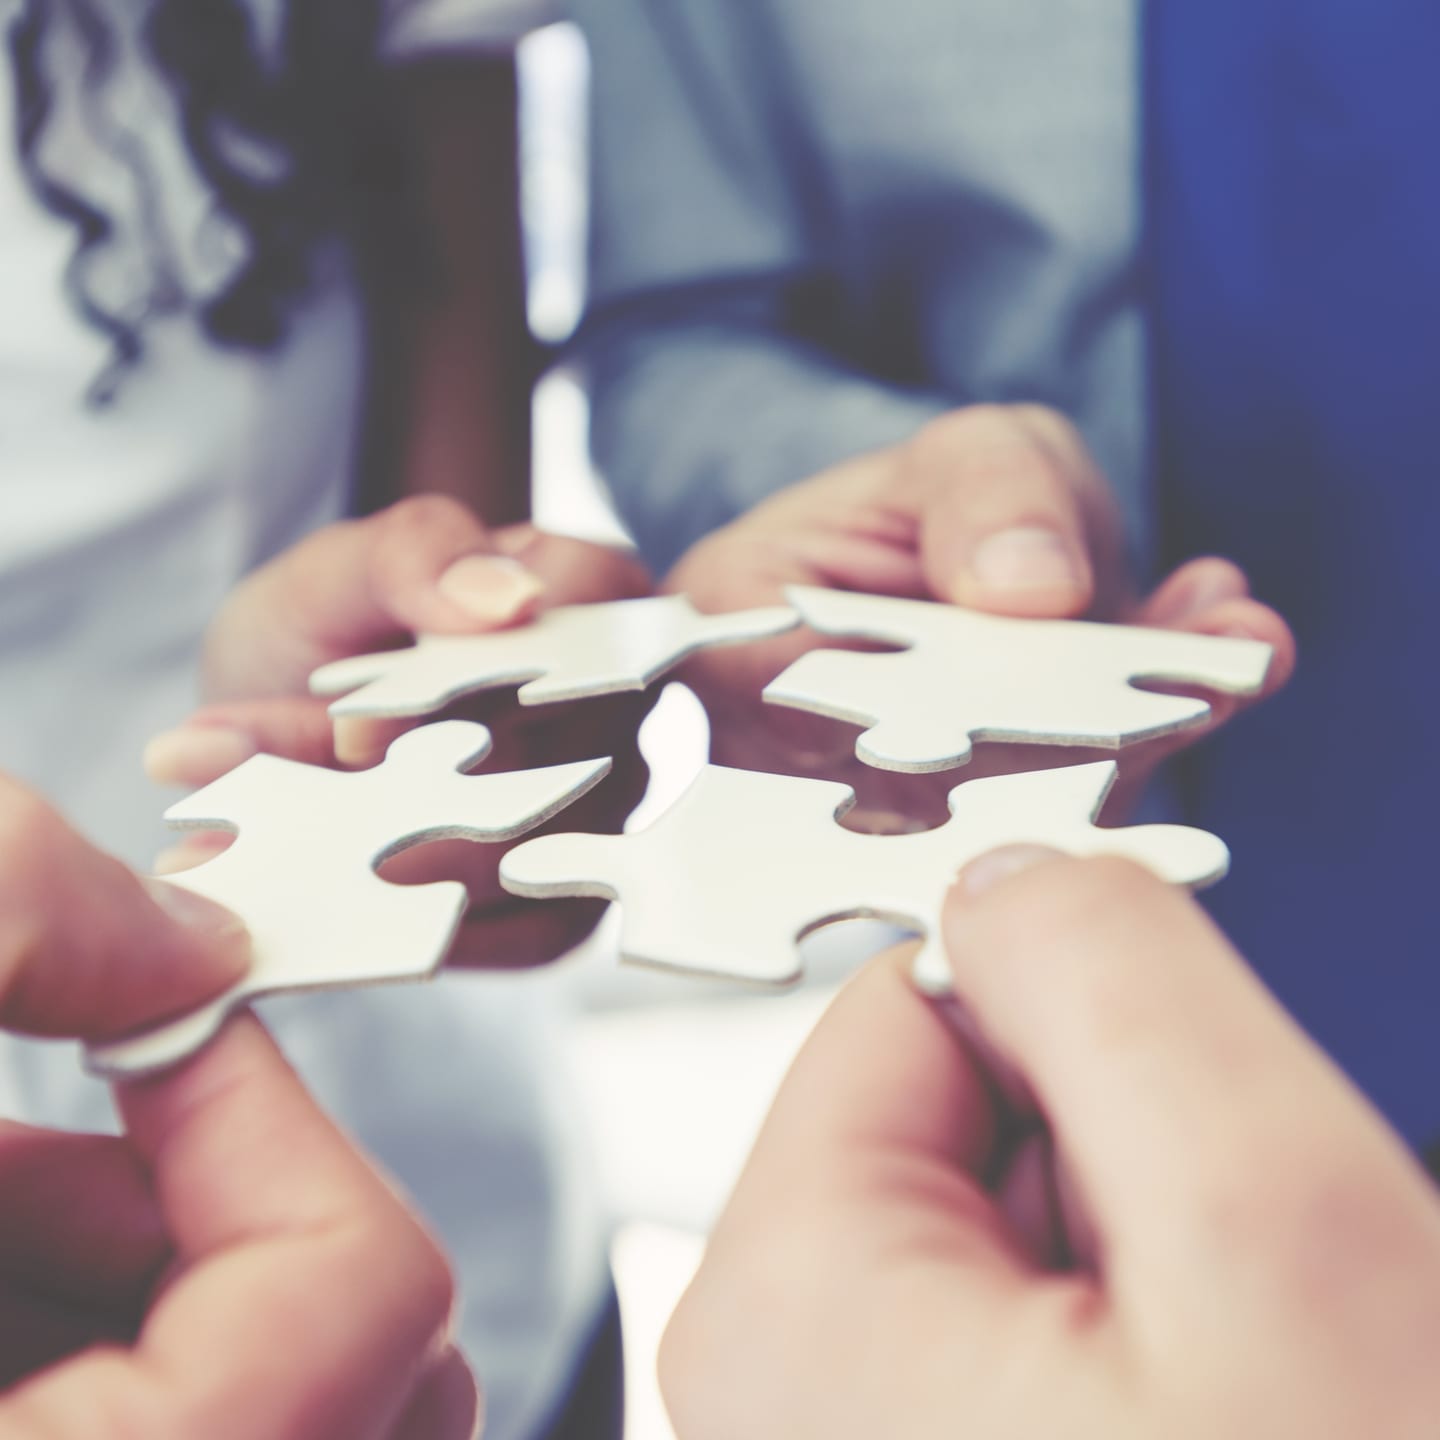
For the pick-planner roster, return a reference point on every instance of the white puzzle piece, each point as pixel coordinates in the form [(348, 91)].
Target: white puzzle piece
[(968, 676), (566, 654), (301, 872), (744, 865)]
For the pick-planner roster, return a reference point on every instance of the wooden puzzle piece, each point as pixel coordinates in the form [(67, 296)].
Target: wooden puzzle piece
[(744, 865), (566, 654), (301, 872), (968, 676)]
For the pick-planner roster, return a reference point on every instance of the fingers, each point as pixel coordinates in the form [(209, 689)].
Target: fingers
[(859, 1223), (88, 950), (81, 1245), (883, 1116), (219, 737), (575, 572), (309, 1300), (446, 1404), (1015, 518), (78, 1219), (426, 564), (1173, 1083), (1211, 596)]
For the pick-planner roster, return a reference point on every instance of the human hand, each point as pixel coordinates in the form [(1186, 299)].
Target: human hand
[(996, 508), (1195, 1228), (429, 565), (230, 1267)]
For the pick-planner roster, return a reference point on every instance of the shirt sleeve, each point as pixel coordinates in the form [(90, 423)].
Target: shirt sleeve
[(713, 378), (417, 28)]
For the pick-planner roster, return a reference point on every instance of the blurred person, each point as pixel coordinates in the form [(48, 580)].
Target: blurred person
[(1136, 1201), (922, 298), (230, 1265), (258, 265)]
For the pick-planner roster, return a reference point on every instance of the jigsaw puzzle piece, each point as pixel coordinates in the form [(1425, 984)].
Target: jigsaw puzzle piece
[(967, 676), (416, 680), (301, 871), (745, 865), (1058, 808), (568, 653), (715, 886), (370, 936)]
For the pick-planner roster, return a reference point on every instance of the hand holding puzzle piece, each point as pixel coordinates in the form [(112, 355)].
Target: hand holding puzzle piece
[(301, 872)]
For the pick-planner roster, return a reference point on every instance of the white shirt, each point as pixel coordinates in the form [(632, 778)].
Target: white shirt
[(121, 531)]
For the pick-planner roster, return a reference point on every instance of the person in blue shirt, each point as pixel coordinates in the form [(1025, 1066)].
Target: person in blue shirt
[(919, 297)]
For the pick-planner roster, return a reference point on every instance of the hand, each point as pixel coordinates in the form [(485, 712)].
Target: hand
[(230, 1267), (1230, 1242), (996, 508), (423, 565)]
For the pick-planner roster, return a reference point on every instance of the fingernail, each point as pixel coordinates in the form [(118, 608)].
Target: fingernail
[(989, 870), (222, 930), (363, 740), (175, 858), (492, 589), (1028, 557), (196, 754)]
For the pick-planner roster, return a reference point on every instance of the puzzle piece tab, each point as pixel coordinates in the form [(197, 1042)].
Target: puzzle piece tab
[(301, 872), (566, 654), (968, 676), (744, 865)]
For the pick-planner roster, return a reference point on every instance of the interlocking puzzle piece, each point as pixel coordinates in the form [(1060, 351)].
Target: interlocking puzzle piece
[(744, 865), (969, 676), (301, 872), (566, 654)]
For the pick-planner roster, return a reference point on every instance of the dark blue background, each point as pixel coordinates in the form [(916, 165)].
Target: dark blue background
[(1294, 173)]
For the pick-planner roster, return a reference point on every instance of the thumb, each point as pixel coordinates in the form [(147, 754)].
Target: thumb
[(1177, 1089), (427, 564), (88, 950), (1014, 516)]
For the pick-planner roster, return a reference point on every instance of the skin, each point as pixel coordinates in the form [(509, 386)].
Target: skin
[(425, 564), (999, 508), (1230, 1241), (229, 1266)]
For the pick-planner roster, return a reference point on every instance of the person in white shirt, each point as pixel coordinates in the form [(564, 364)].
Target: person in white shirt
[(183, 361)]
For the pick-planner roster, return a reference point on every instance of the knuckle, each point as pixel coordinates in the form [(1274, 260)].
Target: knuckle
[(975, 428), (988, 455), (425, 515), (1049, 424), (33, 842), (1321, 1228)]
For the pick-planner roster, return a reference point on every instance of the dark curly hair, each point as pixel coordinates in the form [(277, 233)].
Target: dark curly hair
[(305, 98)]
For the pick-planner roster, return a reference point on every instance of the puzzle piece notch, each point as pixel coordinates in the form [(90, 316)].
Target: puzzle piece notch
[(744, 865), (301, 872), (568, 653), (967, 676)]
